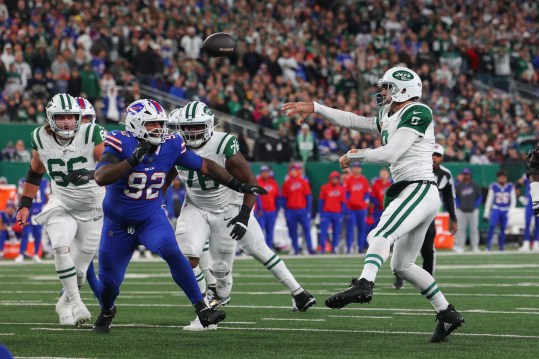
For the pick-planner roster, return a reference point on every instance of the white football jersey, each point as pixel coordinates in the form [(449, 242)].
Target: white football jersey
[(416, 163), (204, 192), (82, 202)]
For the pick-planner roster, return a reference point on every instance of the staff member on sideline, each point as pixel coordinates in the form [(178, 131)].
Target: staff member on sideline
[(468, 199)]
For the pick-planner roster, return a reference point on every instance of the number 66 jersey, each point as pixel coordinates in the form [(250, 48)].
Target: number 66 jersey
[(137, 196), (83, 202)]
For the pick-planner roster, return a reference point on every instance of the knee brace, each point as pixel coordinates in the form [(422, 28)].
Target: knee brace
[(220, 270), (60, 250)]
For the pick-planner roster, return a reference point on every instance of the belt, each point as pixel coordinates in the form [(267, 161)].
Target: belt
[(421, 181)]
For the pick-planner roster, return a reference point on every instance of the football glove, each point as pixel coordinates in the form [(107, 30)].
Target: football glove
[(240, 223), (532, 161), (246, 188), (142, 149), (80, 177)]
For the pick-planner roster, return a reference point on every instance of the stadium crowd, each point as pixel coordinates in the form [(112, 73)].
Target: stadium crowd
[(285, 53)]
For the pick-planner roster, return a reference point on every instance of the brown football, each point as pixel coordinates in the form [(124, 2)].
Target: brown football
[(220, 44)]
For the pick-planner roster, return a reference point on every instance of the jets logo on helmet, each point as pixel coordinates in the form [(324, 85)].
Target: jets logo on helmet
[(195, 123), (141, 112), (58, 110), (401, 83), (87, 110)]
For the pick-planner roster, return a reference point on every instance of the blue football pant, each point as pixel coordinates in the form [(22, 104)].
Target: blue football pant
[(497, 217), (36, 231), (335, 220), (301, 216), (267, 223), (118, 244), (527, 229), (356, 219)]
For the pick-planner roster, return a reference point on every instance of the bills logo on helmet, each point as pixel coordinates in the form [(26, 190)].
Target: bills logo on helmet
[(156, 105), (135, 108)]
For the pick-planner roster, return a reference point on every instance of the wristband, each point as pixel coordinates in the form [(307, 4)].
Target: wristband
[(357, 155), (245, 211), (234, 184), (26, 202)]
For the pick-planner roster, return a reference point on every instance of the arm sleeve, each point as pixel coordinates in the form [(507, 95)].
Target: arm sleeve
[(190, 160), (348, 119), (488, 202), (391, 152), (449, 201)]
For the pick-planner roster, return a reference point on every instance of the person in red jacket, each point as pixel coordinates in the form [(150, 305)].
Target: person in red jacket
[(298, 200), (378, 191), (332, 201), (357, 201), (267, 208)]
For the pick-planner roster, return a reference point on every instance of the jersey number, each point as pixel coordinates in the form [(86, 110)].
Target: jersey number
[(384, 137), (415, 121), (137, 185), (201, 180), (58, 175), (502, 198)]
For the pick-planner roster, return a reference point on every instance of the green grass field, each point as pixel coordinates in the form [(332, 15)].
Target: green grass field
[(498, 295)]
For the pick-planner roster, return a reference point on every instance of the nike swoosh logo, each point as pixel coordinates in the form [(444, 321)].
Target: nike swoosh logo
[(415, 113), (226, 219)]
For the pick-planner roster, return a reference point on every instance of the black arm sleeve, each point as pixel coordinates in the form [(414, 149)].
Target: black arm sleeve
[(532, 161), (449, 201), (34, 177)]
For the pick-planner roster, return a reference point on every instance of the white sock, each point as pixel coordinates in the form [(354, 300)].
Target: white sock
[(426, 285), (277, 267), (65, 268), (201, 280), (204, 264), (376, 256)]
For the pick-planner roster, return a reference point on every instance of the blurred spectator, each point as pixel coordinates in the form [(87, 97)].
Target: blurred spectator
[(267, 207), (191, 43), (113, 106), (21, 153), (468, 199), (306, 142), (9, 152), (357, 201)]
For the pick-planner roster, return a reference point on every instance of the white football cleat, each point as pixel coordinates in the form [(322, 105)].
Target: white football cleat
[(148, 254), (19, 259), (535, 246), (525, 247), (81, 314), (196, 326), (64, 311), (36, 259)]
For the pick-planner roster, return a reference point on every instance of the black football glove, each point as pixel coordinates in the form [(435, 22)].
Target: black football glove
[(80, 177), (240, 223), (246, 188), (142, 149)]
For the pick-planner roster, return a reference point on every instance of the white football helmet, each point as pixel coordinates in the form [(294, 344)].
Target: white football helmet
[(195, 122), (63, 104), (87, 110), (174, 120), (142, 111), (402, 83)]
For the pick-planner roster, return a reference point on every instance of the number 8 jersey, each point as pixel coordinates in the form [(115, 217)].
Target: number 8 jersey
[(82, 202)]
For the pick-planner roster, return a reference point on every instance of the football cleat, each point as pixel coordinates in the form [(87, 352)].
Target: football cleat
[(360, 291), (196, 326), (302, 301), (448, 320), (36, 259), (398, 283), (217, 301), (64, 311), (104, 320), (207, 315), (211, 293), (19, 259), (81, 314)]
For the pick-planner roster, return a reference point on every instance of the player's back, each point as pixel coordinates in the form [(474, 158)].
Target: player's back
[(137, 196), (202, 191), (84, 201), (416, 162)]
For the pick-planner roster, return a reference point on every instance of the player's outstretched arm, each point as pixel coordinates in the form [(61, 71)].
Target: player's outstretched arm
[(30, 188), (221, 175)]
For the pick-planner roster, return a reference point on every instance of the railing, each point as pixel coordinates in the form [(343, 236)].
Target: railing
[(226, 122)]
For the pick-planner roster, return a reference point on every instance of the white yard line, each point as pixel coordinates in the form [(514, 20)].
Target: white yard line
[(293, 319), (365, 316), (6, 334)]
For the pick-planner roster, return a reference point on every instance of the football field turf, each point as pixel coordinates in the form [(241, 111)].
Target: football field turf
[(498, 294)]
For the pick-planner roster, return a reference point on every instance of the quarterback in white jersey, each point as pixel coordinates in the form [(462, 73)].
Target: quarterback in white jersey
[(411, 203), (210, 210), (73, 216)]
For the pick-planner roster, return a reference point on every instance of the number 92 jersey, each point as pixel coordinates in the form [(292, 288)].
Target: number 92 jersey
[(82, 202), (137, 196), (204, 192)]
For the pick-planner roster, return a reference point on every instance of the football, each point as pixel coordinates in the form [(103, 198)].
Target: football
[(220, 44)]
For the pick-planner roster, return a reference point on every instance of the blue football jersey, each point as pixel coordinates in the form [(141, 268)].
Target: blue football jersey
[(7, 220), (41, 197), (502, 195), (135, 197)]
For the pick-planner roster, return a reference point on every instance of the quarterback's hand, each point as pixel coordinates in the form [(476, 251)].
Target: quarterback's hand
[(303, 109), (22, 216), (142, 149), (344, 161), (240, 223), (80, 177)]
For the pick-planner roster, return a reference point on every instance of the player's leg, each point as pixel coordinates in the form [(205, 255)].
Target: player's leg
[(474, 230), (415, 204), (460, 236), (336, 223), (85, 246), (37, 233), (3, 236), (305, 221), (253, 244), (492, 224), (427, 249), (528, 215), (262, 221), (92, 280), (324, 227), (205, 265), (350, 227), (535, 245), (271, 218), (292, 224), (361, 224), (503, 226)]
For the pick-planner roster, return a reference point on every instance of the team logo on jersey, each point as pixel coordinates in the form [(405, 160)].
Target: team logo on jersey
[(135, 108), (403, 75)]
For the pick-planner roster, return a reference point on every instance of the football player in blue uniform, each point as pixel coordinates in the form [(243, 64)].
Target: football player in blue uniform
[(134, 166), (501, 199)]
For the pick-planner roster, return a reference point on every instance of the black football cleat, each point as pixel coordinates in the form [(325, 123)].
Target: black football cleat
[(398, 283), (448, 320), (302, 301), (360, 291), (103, 322), (207, 315), (217, 301)]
